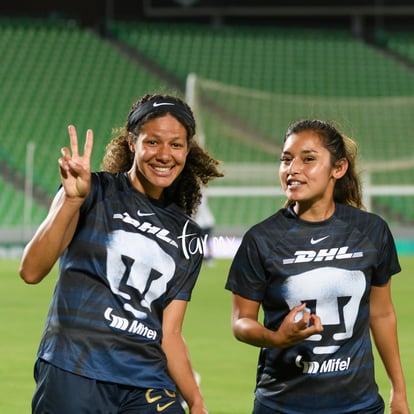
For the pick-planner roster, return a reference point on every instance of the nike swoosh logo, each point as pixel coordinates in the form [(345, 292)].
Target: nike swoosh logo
[(141, 214), (161, 408), (316, 241), (151, 399), (155, 104)]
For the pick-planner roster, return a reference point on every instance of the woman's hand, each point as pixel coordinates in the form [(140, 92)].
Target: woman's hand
[(74, 168), (298, 325), (57, 229)]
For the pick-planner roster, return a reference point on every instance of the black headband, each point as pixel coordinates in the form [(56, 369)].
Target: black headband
[(162, 105)]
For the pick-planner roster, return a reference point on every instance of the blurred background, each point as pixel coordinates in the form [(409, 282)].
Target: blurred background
[(247, 68)]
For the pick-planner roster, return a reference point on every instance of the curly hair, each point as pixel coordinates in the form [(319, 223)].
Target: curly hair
[(199, 167), (348, 188)]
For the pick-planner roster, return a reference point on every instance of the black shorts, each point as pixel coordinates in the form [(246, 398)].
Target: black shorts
[(61, 392), (261, 409)]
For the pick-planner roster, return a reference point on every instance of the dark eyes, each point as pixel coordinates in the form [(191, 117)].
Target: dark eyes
[(154, 143), (177, 145), (288, 160)]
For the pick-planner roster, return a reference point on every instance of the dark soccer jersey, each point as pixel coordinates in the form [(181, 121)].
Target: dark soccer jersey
[(331, 265), (129, 258)]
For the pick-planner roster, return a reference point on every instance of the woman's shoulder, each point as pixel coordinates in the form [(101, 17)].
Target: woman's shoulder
[(357, 215), (277, 222), (105, 177), (178, 216), (107, 184)]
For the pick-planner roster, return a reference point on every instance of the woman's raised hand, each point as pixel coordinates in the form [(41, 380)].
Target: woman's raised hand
[(75, 170)]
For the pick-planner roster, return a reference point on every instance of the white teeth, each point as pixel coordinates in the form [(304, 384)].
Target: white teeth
[(162, 169), (294, 183)]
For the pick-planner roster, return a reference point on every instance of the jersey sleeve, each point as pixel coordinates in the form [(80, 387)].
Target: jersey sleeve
[(247, 275), (388, 263), (184, 285), (187, 265)]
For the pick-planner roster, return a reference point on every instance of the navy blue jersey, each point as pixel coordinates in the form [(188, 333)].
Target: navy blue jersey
[(331, 265), (129, 258)]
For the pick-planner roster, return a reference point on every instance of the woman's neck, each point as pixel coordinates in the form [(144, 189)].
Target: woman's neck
[(315, 212)]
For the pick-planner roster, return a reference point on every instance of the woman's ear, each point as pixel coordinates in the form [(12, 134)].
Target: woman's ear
[(131, 143), (340, 168)]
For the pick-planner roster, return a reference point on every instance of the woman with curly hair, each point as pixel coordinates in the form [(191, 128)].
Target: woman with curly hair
[(112, 341)]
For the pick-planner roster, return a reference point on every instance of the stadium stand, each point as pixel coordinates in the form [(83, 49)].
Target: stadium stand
[(274, 60), (253, 82), (401, 43), (54, 74), (320, 71)]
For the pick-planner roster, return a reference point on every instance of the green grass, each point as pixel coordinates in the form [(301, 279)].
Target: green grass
[(227, 367)]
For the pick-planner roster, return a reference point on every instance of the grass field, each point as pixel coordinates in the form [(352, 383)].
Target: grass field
[(227, 367)]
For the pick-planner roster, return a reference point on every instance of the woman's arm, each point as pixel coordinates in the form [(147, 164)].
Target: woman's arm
[(383, 323), (178, 358), (56, 231), (50, 239), (297, 325)]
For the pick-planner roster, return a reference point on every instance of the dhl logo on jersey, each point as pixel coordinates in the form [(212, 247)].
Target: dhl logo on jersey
[(335, 253)]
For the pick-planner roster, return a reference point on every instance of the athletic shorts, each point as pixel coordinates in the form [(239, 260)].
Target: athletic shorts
[(261, 409), (62, 392)]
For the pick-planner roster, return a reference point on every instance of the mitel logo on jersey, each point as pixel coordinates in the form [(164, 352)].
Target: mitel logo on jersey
[(329, 365), (146, 227), (335, 253), (134, 327)]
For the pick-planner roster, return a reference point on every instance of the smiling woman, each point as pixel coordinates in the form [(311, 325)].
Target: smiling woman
[(317, 169), (321, 270), (155, 138), (160, 150), (113, 334)]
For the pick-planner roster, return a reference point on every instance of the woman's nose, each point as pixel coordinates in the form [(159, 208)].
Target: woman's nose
[(163, 152), (293, 167)]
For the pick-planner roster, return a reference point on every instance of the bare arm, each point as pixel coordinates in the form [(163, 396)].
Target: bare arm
[(56, 231), (49, 241), (247, 328), (384, 331), (179, 364)]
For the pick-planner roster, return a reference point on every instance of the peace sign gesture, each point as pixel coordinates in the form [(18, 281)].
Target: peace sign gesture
[(75, 169)]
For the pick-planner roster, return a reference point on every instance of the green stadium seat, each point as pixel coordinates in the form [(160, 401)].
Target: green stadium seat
[(68, 75)]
